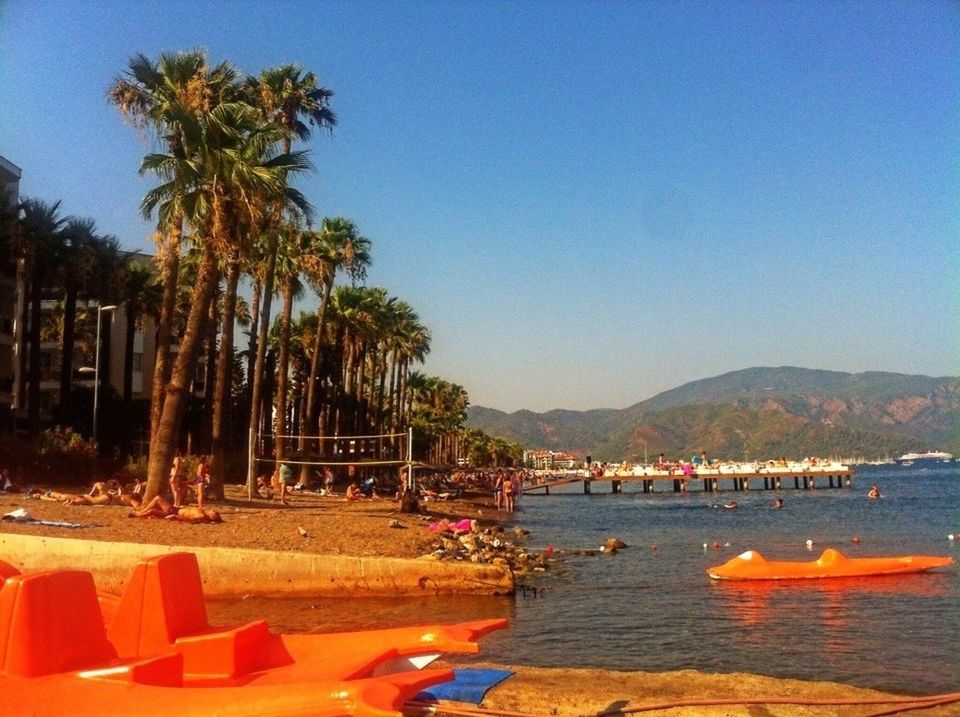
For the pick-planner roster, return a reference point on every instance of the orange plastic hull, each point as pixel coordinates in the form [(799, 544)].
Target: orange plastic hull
[(71, 694), (831, 564)]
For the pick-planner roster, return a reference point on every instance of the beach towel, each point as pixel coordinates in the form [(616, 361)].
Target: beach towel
[(22, 516), (469, 684), (463, 526)]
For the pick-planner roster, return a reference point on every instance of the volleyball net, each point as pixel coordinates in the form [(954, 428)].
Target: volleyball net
[(359, 451)]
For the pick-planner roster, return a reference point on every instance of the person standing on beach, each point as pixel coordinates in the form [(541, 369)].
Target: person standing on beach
[(285, 477), (507, 488), (498, 489), (177, 484), (328, 480), (202, 479)]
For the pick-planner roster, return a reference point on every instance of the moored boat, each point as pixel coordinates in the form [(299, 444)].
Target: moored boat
[(929, 458), (751, 565)]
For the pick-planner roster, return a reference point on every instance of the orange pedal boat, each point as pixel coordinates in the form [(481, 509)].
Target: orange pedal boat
[(160, 656), (831, 564), (55, 658)]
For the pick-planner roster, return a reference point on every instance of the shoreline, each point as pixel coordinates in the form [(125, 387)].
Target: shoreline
[(588, 691), (317, 545)]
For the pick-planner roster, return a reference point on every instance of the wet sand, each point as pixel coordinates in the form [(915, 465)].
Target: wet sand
[(549, 691)]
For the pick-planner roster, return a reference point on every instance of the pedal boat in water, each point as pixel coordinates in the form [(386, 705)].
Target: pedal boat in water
[(155, 653), (751, 565)]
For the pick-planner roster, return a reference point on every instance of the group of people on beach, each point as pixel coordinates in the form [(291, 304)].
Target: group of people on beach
[(281, 483), (506, 488), (129, 495)]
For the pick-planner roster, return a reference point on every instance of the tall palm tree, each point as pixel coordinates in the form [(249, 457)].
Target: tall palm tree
[(160, 95), (285, 97), (229, 157), (106, 286), (336, 246), (41, 248), (140, 295), (78, 236), (221, 388), (289, 253)]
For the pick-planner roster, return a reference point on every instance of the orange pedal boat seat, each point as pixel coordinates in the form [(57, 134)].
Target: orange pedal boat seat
[(42, 634), (162, 607), (55, 658), (7, 570)]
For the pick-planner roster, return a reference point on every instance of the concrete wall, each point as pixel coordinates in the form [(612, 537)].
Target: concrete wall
[(229, 572)]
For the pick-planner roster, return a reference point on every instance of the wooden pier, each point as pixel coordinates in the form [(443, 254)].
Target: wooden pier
[(709, 482)]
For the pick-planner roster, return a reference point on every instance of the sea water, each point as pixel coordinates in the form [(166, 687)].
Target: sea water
[(656, 609)]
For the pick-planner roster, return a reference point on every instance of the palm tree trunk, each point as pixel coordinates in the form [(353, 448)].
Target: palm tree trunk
[(381, 396), (66, 348), (165, 440), (254, 318), (221, 393), (256, 387), (311, 412), (169, 273), (131, 328), (283, 361), (209, 373), (33, 398), (393, 390)]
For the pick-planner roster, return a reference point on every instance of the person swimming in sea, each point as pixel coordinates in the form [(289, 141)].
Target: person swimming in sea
[(874, 493), (778, 503), (732, 505)]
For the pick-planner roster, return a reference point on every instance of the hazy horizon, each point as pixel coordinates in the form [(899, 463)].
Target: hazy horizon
[(587, 204)]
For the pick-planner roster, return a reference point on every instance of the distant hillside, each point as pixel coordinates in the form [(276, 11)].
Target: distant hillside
[(752, 413)]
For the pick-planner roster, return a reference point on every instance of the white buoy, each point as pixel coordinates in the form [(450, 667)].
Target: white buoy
[(809, 544), (951, 536), (705, 546)]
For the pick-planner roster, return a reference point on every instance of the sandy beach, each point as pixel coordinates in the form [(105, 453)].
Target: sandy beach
[(332, 524)]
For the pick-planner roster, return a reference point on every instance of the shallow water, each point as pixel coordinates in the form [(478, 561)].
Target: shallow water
[(657, 610)]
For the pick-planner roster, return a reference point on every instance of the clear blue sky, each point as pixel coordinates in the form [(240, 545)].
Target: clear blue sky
[(587, 202)]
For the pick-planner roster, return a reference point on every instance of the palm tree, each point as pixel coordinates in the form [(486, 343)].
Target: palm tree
[(78, 236), (106, 286), (283, 95), (160, 95), (229, 157), (140, 294), (289, 252), (336, 246), (41, 248)]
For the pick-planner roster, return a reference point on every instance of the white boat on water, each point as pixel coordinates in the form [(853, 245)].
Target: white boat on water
[(909, 459)]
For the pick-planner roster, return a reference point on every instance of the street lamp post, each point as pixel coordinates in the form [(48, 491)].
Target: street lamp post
[(96, 367)]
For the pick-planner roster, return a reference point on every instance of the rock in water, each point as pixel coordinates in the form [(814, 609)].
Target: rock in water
[(612, 545)]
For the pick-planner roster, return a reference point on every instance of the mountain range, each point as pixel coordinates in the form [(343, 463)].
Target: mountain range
[(754, 413)]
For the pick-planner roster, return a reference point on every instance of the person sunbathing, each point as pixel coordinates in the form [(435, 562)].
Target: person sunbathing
[(52, 495), (159, 507), (105, 493)]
